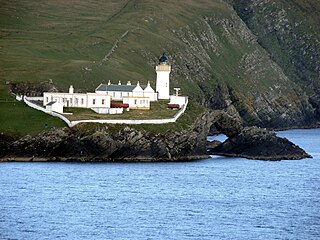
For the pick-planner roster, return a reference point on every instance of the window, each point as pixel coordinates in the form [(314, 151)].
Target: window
[(102, 101), (93, 101), (135, 101), (47, 99), (77, 100), (82, 101)]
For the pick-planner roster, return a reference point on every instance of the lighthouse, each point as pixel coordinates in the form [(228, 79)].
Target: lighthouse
[(163, 70)]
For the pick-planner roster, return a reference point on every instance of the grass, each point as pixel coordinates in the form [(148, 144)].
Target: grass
[(17, 119), (183, 123), (157, 110), (192, 112), (59, 40), (66, 41)]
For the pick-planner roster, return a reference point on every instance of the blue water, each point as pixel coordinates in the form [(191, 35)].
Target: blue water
[(218, 198)]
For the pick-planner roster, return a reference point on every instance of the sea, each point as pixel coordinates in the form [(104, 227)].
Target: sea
[(215, 198)]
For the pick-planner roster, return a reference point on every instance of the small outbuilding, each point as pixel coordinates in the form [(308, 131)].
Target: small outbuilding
[(54, 107), (142, 103)]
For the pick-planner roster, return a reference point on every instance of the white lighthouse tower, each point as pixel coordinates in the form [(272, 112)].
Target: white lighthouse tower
[(162, 84)]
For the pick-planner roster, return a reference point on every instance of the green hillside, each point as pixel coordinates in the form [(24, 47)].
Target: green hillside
[(290, 32), (215, 58)]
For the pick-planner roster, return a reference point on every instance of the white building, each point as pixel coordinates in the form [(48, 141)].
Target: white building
[(54, 107), (136, 96), (119, 91), (137, 102), (163, 84), (177, 100), (81, 100)]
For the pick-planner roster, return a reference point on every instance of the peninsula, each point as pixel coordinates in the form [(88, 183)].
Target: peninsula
[(257, 62)]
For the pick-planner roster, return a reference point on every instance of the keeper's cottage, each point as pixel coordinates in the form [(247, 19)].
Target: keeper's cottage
[(132, 96)]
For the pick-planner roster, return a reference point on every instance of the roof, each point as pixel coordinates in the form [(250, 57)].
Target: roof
[(51, 103), (135, 97), (163, 59), (118, 88)]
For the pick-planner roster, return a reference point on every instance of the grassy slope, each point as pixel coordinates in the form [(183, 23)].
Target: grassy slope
[(59, 40), (18, 120), (290, 32), (66, 42)]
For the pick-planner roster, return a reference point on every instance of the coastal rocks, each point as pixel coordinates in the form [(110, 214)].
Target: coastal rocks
[(259, 143), (228, 125), (108, 143), (123, 143)]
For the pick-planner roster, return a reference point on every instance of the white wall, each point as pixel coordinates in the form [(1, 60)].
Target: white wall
[(98, 101), (137, 102), (108, 110), (78, 99), (35, 106), (57, 107), (181, 100), (151, 95), (163, 83), (147, 121), (110, 121)]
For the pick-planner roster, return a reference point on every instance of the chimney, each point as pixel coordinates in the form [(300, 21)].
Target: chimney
[(71, 90)]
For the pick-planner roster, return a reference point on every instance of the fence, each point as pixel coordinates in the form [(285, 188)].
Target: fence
[(110, 121)]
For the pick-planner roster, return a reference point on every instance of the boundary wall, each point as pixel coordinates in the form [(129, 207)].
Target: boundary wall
[(28, 100)]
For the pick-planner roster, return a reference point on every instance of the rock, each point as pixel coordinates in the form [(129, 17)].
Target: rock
[(228, 125), (213, 144), (259, 143), (32, 89), (108, 143)]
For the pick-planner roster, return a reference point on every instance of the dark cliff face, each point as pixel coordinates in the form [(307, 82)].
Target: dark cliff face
[(289, 31), (102, 143), (258, 143)]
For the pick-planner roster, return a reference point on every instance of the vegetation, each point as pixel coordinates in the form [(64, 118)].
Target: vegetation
[(86, 42), (289, 31), (157, 110), (192, 112), (18, 120)]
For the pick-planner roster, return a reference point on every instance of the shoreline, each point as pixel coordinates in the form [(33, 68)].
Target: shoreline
[(68, 145), (102, 160)]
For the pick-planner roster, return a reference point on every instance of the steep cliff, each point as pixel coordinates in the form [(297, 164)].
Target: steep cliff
[(109, 143), (99, 142), (218, 59), (289, 31)]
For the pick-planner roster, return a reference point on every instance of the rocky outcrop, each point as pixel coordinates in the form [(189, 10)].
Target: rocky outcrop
[(31, 89), (99, 142), (108, 143), (259, 143)]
